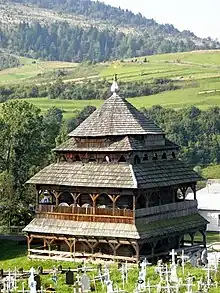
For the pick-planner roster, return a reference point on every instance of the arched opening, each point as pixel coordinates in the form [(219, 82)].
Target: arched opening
[(137, 160), (164, 156), (85, 200), (77, 158), (155, 158), (154, 200), (173, 155), (103, 248), (104, 201), (126, 250), (145, 158), (66, 197), (122, 159), (141, 202)]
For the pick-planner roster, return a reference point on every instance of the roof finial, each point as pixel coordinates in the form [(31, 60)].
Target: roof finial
[(115, 87)]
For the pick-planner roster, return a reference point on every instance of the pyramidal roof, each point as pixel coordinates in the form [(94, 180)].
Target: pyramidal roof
[(116, 117)]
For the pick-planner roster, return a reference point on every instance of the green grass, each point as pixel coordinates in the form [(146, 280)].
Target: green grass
[(211, 172), (196, 72), (32, 68)]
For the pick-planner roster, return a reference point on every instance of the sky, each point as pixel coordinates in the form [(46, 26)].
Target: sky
[(199, 16)]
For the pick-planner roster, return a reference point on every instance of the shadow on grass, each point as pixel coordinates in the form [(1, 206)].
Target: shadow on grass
[(12, 249)]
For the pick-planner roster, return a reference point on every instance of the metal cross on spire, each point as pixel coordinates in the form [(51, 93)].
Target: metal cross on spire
[(115, 87)]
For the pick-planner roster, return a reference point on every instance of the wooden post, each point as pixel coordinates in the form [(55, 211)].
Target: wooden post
[(45, 244), (203, 232), (192, 237), (28, 244), (193, 187), (94, 198), (37, 198), (57, 195), (29, 240), (75, 196), (113, 198)]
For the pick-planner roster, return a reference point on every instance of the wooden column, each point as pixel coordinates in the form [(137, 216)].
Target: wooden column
[(114, 198), (192, 235), (57, 195), (203, 232), (94, 198), (71, 243), (38, 192), (29, 240), (75, 197), (193, 187), (183, 190), (45, 244)]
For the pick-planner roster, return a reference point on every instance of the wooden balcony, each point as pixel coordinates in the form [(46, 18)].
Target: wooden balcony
[(168, 211), (106, 215)]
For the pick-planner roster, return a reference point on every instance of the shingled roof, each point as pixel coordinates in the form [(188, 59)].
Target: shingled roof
[(122, 175), (116, 117), (115, 230)]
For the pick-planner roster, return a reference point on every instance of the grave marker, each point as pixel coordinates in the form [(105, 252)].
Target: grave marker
[(85, 281), (69, 278)]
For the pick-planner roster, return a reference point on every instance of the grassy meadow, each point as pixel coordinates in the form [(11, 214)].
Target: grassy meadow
[(197, 72)]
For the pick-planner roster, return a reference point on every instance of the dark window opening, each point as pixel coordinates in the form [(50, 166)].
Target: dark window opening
[(122, 159), (137, 160), (145, 158), (63, 159), (155, 158), (164, 156), (77, 158), (173, 155)]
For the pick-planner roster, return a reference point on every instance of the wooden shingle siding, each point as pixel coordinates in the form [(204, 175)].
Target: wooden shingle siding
[(116, 117)]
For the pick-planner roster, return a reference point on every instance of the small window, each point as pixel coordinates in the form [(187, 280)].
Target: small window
[(219, 220), (155, 158), (137, 160), (173, 155), (164, 156), (145, 158), (122, 159)]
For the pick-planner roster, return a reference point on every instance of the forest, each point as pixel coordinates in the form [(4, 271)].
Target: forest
[(27, 138), (127, 35), (86, 90)]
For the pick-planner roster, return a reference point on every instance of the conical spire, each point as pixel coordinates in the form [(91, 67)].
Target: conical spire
[(116, 117)]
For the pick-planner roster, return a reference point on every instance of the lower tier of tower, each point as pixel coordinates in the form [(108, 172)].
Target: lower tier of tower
[(72, 241)]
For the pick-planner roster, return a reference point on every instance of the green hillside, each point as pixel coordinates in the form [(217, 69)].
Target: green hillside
[(198, 73)]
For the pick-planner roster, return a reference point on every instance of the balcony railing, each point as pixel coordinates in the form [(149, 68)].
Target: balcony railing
[(86, 214), (168, 211)]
